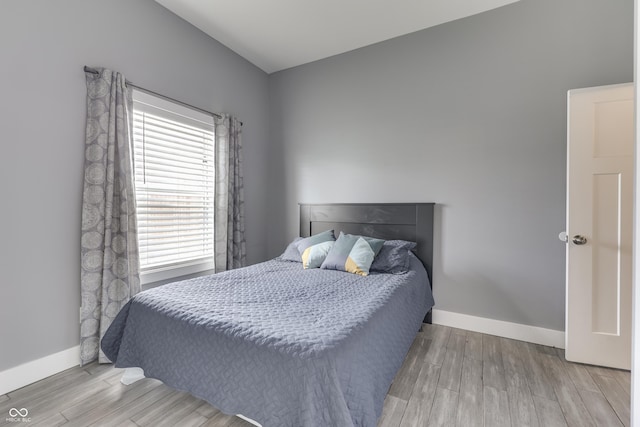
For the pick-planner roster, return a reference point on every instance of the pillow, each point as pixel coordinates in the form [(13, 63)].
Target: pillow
[(313, 250), (291, 253), (394, 257), (353, 254)]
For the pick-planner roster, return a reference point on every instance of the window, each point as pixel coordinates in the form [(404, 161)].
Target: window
[(174, 177)]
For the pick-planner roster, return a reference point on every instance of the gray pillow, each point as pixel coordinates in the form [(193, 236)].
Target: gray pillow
[(393, 258), (291, 253)]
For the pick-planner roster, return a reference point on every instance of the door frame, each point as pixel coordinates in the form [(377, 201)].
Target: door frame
[(635, 306)]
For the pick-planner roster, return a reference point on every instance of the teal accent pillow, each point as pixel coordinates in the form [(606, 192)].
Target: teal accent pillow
[(313, 250), (353, 254)]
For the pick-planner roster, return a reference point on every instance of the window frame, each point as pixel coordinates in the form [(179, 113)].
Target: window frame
[(153, 103)]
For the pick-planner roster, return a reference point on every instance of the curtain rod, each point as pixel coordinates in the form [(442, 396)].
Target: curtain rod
[(94, 71)]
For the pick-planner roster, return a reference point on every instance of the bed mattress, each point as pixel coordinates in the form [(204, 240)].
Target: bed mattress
[(281, 345)]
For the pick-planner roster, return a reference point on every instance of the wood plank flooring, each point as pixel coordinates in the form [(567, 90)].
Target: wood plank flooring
[(450, 377), (462, 378)]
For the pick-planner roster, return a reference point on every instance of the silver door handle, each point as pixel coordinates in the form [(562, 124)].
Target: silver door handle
[(579, 240)]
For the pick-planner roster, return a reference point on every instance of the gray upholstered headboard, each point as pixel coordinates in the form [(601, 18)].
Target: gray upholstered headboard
[(404, 221)]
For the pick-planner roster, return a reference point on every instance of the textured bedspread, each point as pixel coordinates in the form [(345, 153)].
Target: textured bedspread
[(276, 343)]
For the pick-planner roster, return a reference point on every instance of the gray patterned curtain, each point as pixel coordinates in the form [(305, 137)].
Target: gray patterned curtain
[(230, 246), (109, 245)]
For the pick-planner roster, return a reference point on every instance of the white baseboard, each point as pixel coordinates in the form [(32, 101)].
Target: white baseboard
[(36, 370), (516, 331)]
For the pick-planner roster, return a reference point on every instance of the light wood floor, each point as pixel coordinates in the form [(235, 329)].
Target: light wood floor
[(450, 377)]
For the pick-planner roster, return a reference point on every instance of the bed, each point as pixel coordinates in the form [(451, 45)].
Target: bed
[(285, 346)]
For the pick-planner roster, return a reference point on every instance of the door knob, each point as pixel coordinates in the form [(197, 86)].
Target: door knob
[(579, 240)]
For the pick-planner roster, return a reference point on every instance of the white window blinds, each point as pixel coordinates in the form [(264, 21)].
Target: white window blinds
[(174, 176)]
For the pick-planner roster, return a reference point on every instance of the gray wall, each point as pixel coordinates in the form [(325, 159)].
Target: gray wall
[(471, 115), (44, 45)]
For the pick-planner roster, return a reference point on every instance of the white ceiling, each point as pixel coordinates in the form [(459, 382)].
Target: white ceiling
[(279, 34)]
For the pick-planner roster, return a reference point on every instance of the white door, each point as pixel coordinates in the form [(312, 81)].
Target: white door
[(599, 225)]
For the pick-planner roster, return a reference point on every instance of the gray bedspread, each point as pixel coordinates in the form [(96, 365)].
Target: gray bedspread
[(276, 343)]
